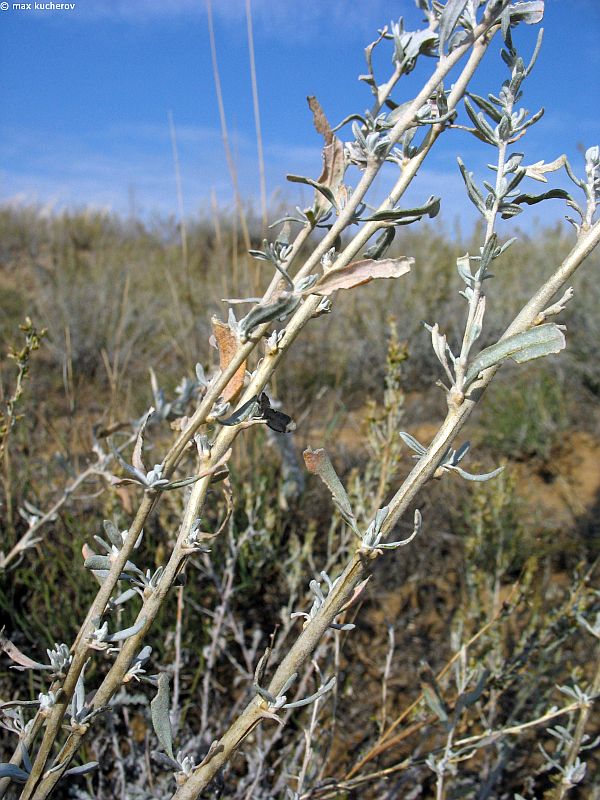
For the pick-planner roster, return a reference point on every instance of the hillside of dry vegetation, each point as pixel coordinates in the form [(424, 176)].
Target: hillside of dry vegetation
[(115, 299)]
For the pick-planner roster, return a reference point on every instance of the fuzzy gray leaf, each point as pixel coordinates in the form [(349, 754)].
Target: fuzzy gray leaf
[(83, 769), (449, 19), (530, 12), (126, 633), (534, 343), (159, 708), (380, 246), (431, 208), (325, 190), (532, 199), (281, 307), (13, 772), (318, 462)]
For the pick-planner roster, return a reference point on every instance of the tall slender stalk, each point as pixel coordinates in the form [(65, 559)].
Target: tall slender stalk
[(334, 259), (257, 125)]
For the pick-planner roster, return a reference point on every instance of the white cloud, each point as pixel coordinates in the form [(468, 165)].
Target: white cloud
[(109, 174), (123, 161), (296, 20)]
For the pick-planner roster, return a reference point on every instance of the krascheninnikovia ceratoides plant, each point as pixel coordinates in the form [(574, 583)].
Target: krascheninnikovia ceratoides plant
[(380, 136)]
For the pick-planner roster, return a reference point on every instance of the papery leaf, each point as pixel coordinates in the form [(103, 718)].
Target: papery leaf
[(159, 708), (449, 19), (318, 462), (439, 344), (13, 652), (477, 324), (136, 458), (334, 165), (533, 343), (228, 344), (334, 169), (463, 265), (538, 170), (359, 272), (320, 121)]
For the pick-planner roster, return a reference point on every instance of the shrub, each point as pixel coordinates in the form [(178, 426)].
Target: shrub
[(231, 530)]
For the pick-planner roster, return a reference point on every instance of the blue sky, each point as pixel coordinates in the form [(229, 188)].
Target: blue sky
[(86, 93)]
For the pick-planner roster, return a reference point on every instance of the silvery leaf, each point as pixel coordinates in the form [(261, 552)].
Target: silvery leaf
[(159, 708), (532, 199), (318, 462), (449, 19), (278, 309), (13, 772), (533, 343), (83, 769), (490, 109), (380, 246), (473, 191), (126, 633)]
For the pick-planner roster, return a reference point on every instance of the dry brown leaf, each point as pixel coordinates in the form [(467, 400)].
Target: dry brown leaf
[(13, 652), (334, 165), (228, 344), (314, 459), (359, 272), (321, 122)]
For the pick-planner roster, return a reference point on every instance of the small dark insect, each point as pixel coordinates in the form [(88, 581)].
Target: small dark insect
[(276, 420)]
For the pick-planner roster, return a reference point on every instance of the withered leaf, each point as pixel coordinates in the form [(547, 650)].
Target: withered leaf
[(321, 122), (359, 272), (334, 165), (13, 652), (228, 343)]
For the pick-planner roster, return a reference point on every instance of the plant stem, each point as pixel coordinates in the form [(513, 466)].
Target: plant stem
[(584, 715), (355, 570)]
